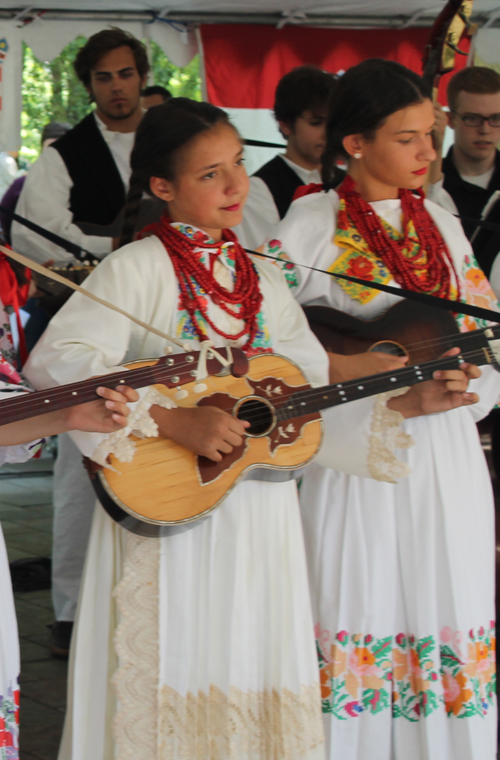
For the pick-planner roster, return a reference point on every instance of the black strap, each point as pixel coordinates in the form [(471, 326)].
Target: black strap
[(261, 144), (77, 251), (440, 303)]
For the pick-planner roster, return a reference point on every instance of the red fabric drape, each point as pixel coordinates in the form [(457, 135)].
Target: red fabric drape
[(243, 63), (12, 294)]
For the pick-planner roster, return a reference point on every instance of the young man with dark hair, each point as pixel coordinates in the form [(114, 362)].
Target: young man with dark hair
[(81, 181), (470, 179), (154, 95), (300, 110)]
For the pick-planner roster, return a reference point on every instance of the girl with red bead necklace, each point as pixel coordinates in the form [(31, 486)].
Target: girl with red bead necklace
[(402, 570), (199, 644)]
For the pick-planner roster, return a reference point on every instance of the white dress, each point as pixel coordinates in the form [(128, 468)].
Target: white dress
[(200, 644), (401, 575), (10, 384)]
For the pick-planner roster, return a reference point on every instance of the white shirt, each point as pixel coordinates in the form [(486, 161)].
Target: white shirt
[(45, 200), (481, 180), (260, 214)]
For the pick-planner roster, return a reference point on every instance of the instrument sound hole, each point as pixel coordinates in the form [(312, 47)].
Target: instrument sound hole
[(260, 415), (388, 347)]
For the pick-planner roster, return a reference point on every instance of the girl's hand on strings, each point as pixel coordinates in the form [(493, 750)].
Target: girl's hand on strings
[(448, 390), (206, 430), (352, 366), (105, 416)]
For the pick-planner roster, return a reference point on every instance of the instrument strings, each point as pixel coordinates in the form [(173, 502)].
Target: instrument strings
[(312, 394)]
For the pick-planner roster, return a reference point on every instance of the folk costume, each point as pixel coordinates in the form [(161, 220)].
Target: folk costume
[(199, 644), (401, 572), (271, 191), (11, 384)]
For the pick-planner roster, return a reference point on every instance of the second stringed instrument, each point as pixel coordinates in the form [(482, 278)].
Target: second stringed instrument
[(166, 487)]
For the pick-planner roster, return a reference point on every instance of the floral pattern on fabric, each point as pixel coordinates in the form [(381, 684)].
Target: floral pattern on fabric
[(274, 248), (9, 725), (6, 342), (411, 677), (185, 327), (478, 292), (358, 261)]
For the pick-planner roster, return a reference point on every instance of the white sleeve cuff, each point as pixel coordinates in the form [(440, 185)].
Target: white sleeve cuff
[(140, 425)]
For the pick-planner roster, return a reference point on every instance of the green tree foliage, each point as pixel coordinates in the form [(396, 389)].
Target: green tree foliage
[(53, 92)]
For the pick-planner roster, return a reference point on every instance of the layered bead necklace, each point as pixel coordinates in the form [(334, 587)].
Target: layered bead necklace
[(242, 303), (432, 275)]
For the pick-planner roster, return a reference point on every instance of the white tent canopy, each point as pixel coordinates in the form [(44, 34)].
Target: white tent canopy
[(416, 11)]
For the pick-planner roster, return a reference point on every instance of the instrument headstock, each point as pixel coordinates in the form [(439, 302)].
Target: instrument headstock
[(448, 30)]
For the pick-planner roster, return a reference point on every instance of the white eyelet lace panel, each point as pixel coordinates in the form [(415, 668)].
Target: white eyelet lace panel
[(135, 726), (140, 424), (386, 436), (267, 725)]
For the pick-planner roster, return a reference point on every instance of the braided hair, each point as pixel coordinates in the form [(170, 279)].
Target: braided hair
[(162, 132), (366, 95)]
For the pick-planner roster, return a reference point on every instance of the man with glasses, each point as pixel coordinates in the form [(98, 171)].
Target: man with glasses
[(470, 179)]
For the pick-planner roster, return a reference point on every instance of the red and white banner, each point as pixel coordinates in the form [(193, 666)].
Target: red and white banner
[(244, 63)]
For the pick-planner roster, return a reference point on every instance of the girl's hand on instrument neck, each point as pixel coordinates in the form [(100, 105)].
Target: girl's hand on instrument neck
[(206, 430), (352, 366), (448, 390), (101, 416)]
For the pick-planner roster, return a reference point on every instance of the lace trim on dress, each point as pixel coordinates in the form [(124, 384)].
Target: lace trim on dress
[(140, 424), (136, 644), (386, 436), (268, 725)]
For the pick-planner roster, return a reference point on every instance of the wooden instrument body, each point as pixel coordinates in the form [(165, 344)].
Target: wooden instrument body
[(422, 332), (167, 485)]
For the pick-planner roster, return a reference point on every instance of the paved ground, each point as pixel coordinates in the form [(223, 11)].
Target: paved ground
[(26, 518)]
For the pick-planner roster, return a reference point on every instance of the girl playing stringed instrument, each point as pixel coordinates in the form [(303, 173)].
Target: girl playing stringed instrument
[(198, 644), (402, 572)]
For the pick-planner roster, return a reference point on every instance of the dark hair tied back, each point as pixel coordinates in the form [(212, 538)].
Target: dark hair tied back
[(160, 135), (366, 95)]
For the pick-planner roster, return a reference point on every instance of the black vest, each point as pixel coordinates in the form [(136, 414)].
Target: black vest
[(282, 182), (98, 193), (470, 201)]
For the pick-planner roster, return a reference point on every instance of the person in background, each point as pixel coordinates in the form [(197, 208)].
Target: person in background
[(83, 179), (154, 95), (300, 109), (467, 180), (51, 132)]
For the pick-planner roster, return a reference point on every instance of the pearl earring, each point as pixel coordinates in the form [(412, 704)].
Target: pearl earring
[(357, 155)]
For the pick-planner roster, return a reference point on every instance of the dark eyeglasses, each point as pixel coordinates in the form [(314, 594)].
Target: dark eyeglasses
[(477, 120)]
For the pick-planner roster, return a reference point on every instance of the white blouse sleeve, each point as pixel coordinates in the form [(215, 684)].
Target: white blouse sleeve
[(260, 215), (86, 339), (21, 452), (45, 200)]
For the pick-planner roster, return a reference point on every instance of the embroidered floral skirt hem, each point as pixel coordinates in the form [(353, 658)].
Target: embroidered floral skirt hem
[(402, 584), (210, 642), (9, 664)]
